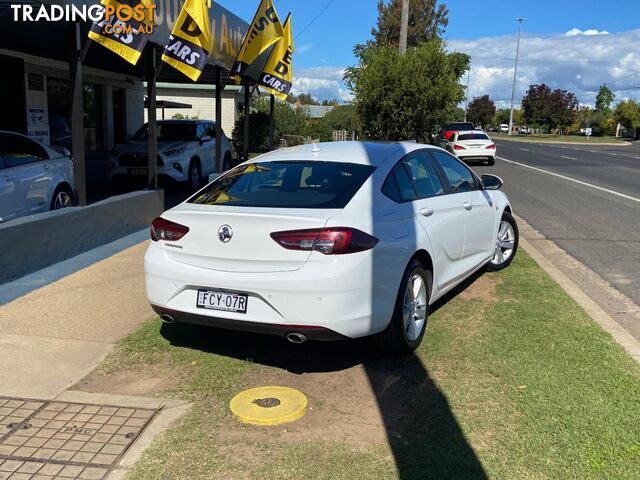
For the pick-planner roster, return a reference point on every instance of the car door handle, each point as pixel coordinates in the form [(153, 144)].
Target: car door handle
[(427, 212), (467, 206)]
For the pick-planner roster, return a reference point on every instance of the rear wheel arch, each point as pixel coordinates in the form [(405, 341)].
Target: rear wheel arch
[(425, 259)]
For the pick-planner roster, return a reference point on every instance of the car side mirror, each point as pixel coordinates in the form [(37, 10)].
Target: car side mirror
[(205, 139), (492, 182)]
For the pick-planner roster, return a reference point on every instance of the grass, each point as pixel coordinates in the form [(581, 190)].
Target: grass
[(548, 138), (513, 382)]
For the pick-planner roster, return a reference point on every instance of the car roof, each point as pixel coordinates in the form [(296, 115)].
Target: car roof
[(364, 153)]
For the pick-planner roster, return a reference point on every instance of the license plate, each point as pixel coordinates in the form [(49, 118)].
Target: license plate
[(225, 301), (138, 172)]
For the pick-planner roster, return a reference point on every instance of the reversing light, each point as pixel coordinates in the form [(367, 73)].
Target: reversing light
[(328, 241)]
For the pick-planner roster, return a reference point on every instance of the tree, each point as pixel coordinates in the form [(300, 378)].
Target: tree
[(627, 113), (545, 107), (400, 97), (303, 99), (427, 21), (343, 117), (536, 105), (604, 99), (481, 110)]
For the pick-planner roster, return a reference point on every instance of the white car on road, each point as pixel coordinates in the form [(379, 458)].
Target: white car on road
[(473, 145), (33, 178), (186, 153), (329, 241)]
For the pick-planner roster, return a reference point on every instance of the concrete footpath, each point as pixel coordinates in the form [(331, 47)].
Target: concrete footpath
[(53, 336)]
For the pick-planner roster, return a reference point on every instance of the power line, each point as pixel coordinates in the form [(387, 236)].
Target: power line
[(536, 60), (326, 7)]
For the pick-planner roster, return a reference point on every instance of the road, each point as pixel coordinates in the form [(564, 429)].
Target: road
[(584, 198)]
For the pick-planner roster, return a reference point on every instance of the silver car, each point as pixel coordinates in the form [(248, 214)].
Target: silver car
[(186, 152), (33, 178)]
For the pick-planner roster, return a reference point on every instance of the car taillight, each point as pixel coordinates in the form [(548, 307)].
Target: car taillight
[(491, 147), (458, 147), (328, 241), (162, 229)]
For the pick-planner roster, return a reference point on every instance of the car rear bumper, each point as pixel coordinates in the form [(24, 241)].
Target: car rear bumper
[(312, 333), (337, 301)]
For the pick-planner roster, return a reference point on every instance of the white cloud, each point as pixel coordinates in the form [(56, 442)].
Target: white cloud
[(324, 83), (304, 48), (591, 32), (579, 63)]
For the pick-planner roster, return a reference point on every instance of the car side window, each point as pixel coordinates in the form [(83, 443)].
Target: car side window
[(211, 130), (459, 176), (18, 150), (423, 175), (398, 186), (201, 130)]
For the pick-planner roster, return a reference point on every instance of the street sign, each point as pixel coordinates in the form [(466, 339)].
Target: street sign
[(588, 131)]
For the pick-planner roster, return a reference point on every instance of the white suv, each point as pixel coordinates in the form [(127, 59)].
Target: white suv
[(186, 152)]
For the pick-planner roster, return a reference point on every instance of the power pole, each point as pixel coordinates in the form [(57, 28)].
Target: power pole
[(515, 75), (466, 100), (404, 27)]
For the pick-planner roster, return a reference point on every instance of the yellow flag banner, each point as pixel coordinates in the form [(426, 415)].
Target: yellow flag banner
[(264, 31), (190, 39), (277, 76), (125, 27)]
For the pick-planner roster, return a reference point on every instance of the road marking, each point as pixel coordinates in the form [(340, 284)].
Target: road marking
[(614, 154), (524, 149), (580, 182), (568, 158), (593, 151)]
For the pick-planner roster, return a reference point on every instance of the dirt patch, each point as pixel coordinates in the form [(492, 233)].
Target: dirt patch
[(146, 381), (484, 289)]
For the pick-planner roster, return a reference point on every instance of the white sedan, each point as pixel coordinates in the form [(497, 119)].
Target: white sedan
[(33, 178), (330, 241), (472, 145)]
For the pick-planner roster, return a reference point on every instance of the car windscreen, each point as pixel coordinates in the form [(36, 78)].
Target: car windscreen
[(169, 131), (472, 136), (290, 184)]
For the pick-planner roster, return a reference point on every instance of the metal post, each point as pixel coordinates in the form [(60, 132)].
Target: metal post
[(404, 27), (515, 75), (272, 121), (219, 164), (466, 100), (77, 114), (247, 101), (152, 140)]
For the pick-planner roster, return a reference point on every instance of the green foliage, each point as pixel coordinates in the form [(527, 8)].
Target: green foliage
[(604, 99), (179, 116), (627, 113), (259, 123), (427, 21), (409, 96), (343, 117), (481, 111), (552, 108), (303, 99)]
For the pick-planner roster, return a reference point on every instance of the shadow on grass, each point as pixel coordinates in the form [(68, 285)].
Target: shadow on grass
[(423, 434)]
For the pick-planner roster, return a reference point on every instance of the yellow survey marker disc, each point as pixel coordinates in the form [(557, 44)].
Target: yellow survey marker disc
[(269, 405)]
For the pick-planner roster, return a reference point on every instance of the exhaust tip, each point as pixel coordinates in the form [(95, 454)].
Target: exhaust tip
[(296, 337), (167, 318)]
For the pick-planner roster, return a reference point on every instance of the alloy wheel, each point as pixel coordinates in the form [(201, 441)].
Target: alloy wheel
[(505, 243), (414, 309), (62, 200)]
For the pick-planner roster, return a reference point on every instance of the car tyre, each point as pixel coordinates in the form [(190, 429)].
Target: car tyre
[(506, 244), (62, 198), (491, 162), (194, 177), (408, 323)]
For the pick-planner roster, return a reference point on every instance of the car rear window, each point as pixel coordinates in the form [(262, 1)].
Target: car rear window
[(472, 136), (291, 184)]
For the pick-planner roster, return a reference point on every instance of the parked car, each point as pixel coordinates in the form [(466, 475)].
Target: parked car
[(472, 145), (186, 152), (448, 130), (504, 128), (329, 241), (60, 133), (33, 178), (524, 130)]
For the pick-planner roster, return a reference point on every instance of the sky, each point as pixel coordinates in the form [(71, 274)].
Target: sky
[(568, 44)]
